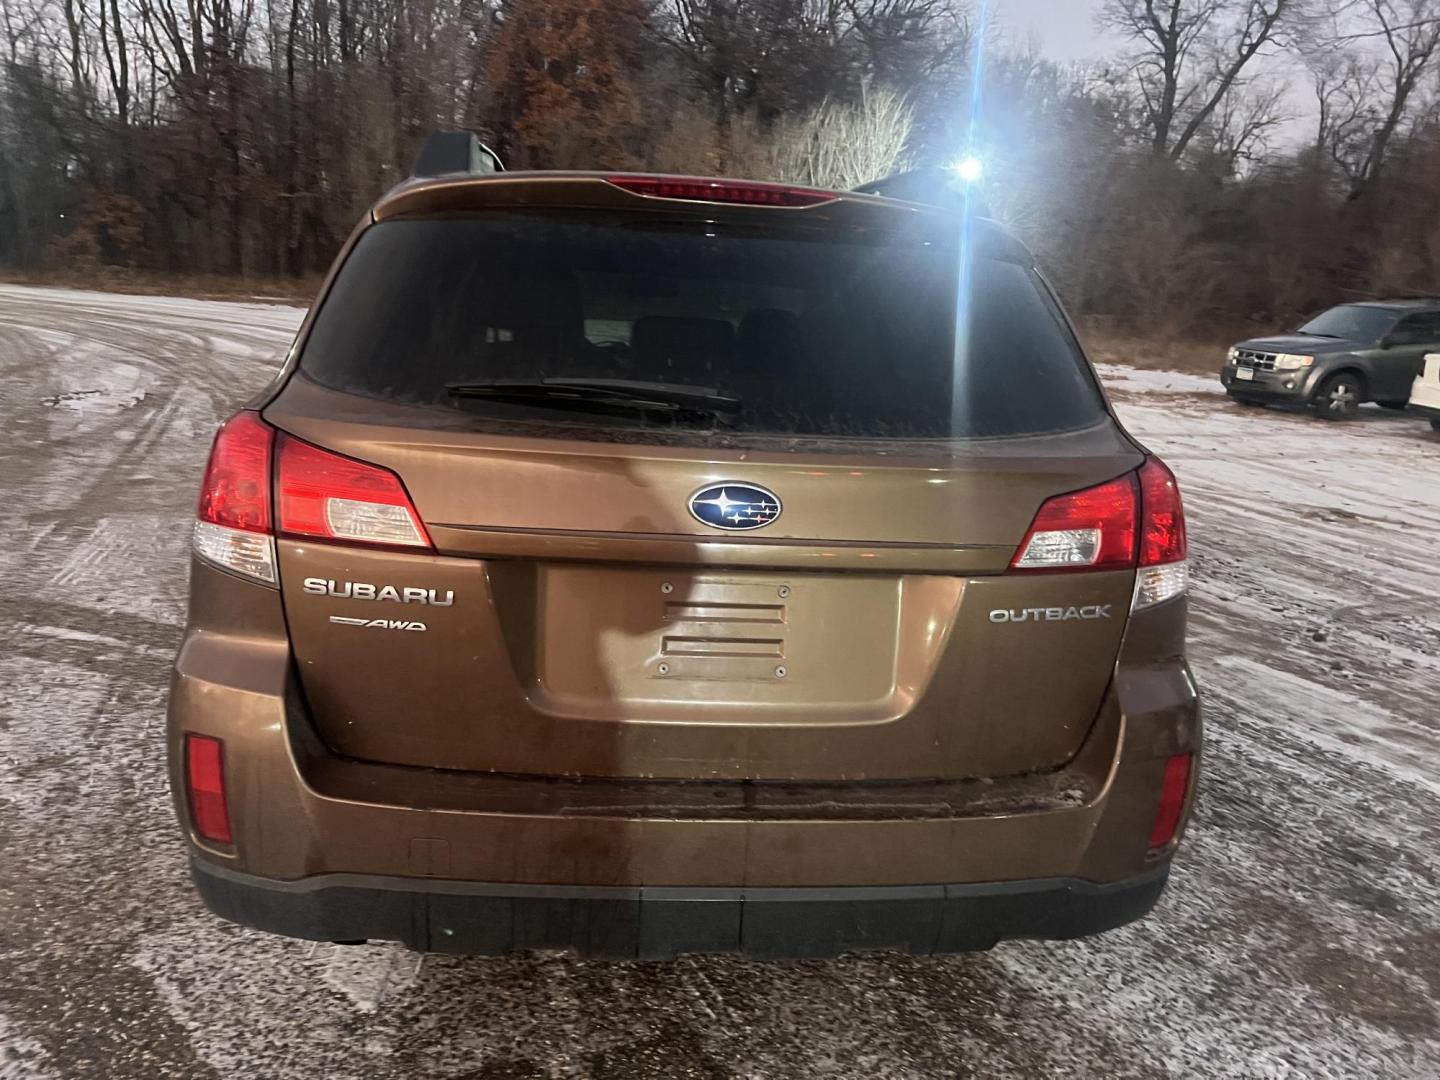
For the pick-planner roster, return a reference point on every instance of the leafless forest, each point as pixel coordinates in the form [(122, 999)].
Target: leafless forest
[(1235, 160)]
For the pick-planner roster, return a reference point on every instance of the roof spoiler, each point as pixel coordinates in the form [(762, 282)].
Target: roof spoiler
[(930, 185), (447, 153)]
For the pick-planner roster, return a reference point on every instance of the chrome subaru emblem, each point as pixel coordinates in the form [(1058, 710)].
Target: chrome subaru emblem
[(736, 507)]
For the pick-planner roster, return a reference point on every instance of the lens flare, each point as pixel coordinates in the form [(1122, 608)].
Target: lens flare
[(969, 169)]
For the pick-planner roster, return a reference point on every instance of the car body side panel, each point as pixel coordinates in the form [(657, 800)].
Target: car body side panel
[(1395, 369)]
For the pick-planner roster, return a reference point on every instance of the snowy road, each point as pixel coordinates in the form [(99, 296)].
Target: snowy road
[(1300, 936)]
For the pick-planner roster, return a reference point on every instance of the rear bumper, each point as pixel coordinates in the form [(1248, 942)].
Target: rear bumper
[(328, 847), (650, 923)]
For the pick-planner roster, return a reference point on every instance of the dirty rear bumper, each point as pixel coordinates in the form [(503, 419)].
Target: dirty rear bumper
[(650, 923)]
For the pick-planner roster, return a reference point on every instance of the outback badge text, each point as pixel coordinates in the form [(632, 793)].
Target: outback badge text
[(1050, 614)]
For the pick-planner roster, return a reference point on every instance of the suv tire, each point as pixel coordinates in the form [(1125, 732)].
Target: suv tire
[(1339, 396), (1434, 424)]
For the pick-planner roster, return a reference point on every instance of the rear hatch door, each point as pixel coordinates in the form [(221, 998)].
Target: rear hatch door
[(584, 613)]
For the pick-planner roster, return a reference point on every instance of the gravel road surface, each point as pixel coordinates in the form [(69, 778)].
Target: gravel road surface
[(1300, 936)]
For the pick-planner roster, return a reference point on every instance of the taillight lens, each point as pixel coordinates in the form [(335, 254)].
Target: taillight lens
[(702, 189), (1136, 521), (320, 495), (328, 496), (1172, 801), (205, 785), (1164, 572), (1162, 540), (232, 522), (236, 489), (1093, 529)]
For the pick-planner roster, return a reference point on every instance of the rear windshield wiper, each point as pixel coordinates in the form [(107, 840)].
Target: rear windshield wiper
[(602, 393)]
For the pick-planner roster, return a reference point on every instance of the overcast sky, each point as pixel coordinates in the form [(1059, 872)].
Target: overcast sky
[(1065, 29)]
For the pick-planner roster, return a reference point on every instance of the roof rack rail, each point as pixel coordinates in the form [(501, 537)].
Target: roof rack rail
[(447, 153), (931, 185)]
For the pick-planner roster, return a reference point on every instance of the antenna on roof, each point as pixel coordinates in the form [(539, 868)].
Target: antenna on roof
[(450, 153)]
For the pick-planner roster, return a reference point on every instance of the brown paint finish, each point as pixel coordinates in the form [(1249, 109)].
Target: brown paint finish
[(887, 673), (299, 809), (621, 695), (555, 668), (947, 499)]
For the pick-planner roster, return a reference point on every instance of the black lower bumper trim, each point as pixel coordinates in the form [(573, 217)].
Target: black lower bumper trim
[(660, 923)]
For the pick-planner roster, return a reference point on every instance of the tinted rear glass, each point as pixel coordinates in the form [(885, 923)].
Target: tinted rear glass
[(816, 334)]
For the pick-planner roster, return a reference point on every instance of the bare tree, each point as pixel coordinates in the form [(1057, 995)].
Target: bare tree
[(1344, 85), (1239, 130), (771, 57), (1410, 33), (235, 136), (117, 58), (1188, 56), (843, 146)]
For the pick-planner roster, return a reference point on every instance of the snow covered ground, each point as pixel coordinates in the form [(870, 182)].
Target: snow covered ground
[(1300, 937)]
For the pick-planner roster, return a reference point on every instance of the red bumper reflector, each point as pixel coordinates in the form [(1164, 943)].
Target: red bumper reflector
[(1172, 800), (205, 781)]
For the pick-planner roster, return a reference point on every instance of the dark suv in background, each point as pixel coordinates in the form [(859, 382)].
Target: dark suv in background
[(1338, 360)]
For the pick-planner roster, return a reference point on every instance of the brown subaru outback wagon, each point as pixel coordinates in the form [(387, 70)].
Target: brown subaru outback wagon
[(642, 565)]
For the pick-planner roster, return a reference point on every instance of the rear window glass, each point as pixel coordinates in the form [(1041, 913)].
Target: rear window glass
[(815, 334)]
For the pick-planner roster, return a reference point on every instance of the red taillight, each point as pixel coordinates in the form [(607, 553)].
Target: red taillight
[(702, 189), (1135, 521), (1172, 801), (331, 497), (205, 782), (317, 494), (1162, 532), (236, 490), (1093, 529)]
